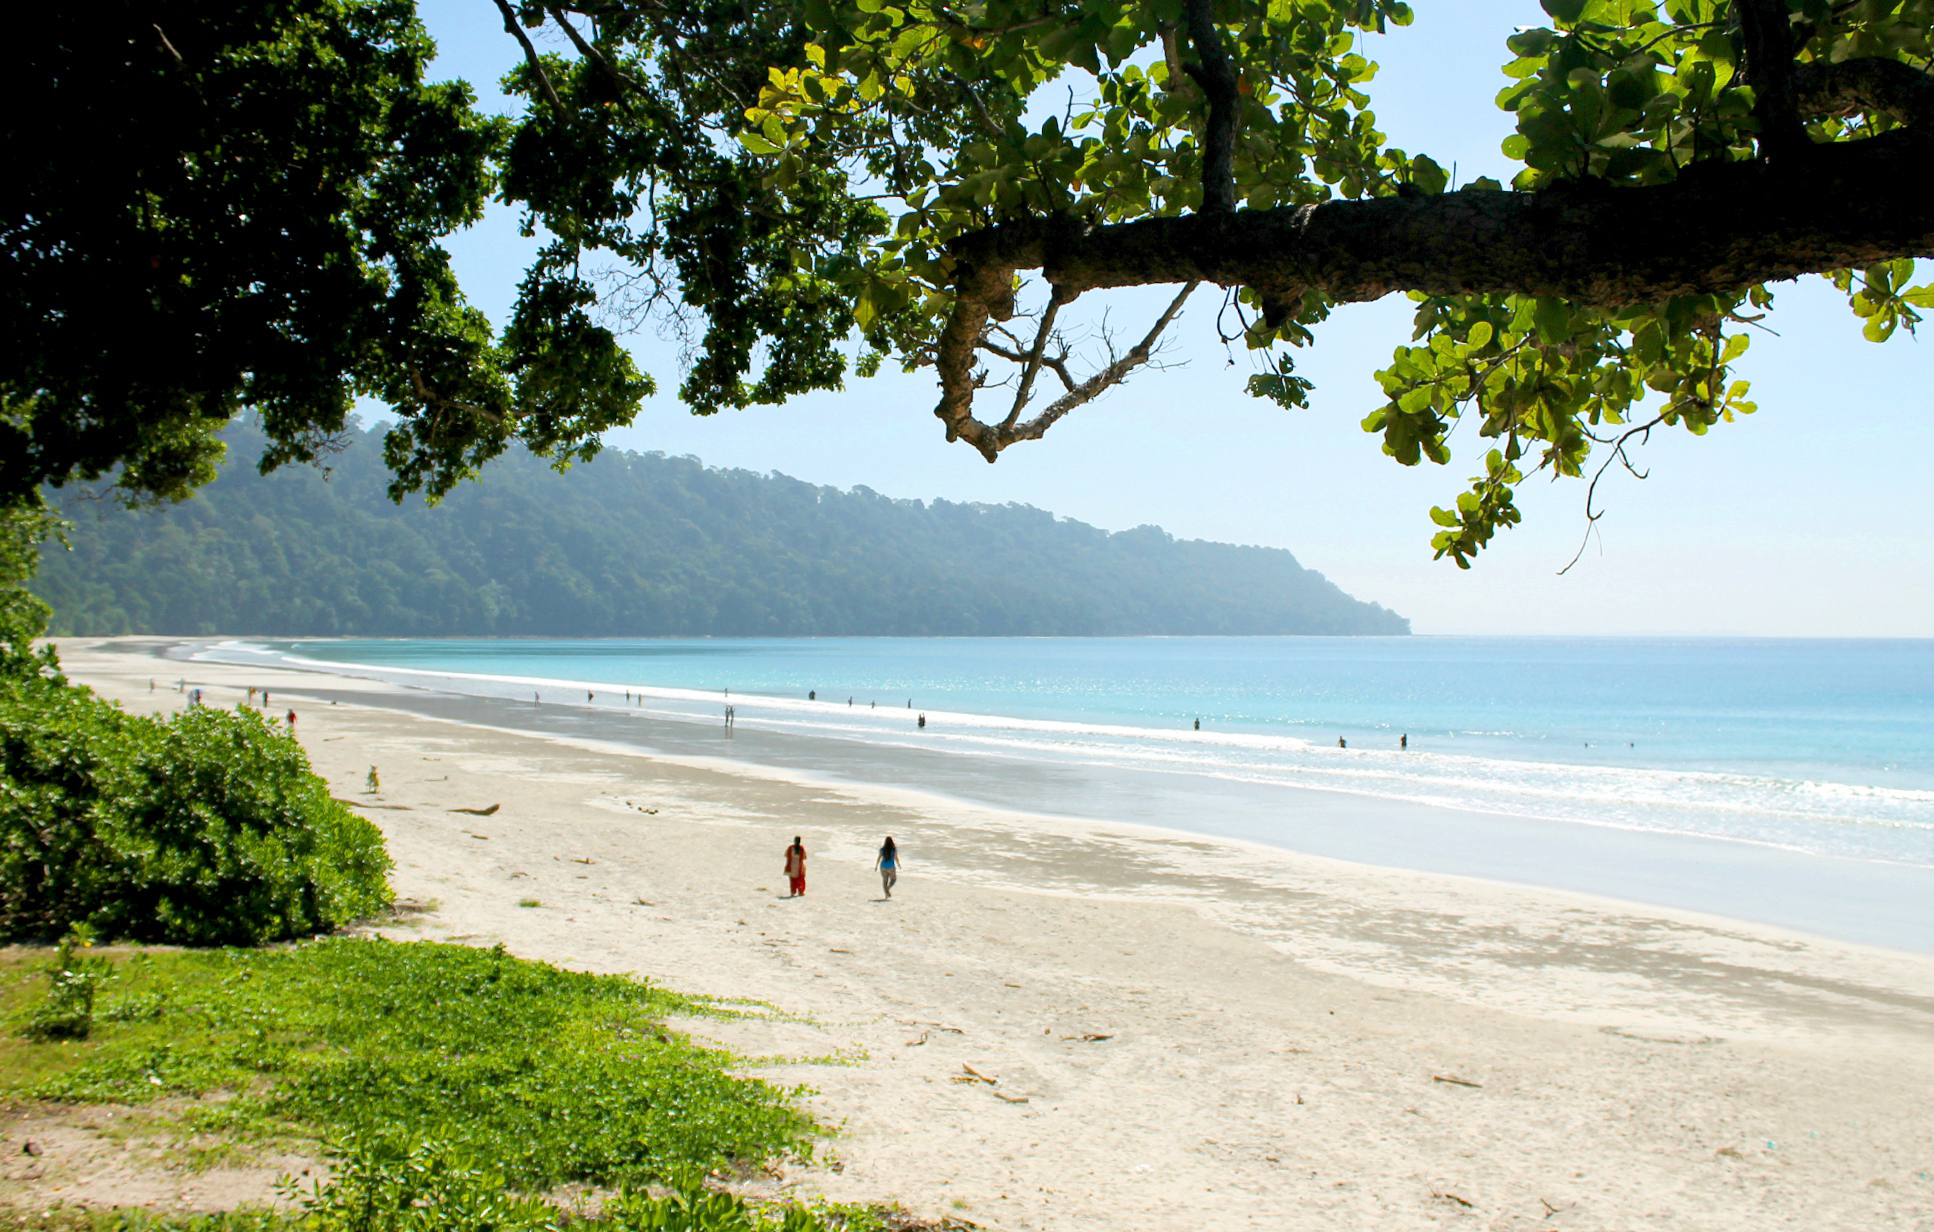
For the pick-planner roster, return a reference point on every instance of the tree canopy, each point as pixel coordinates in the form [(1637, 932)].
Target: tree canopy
[(240, 205)]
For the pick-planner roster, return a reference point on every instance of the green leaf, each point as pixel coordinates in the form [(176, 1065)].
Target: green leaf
[(1553, 318)]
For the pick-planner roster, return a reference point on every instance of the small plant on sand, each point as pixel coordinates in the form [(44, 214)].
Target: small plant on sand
[(529, 902), (68, 1011)]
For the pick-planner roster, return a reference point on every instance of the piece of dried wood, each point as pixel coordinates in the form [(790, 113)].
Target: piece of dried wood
[(482, 812), (1456, 1082), (983, 1077)]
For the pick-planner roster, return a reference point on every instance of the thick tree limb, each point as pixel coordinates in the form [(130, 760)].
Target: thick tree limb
[(515, 29), (1768, 31), (1887, 86), (1217, 77), (1719, 228)]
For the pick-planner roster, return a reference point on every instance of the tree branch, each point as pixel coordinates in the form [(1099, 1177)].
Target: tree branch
[(515, 29), (1717, 229), (1217, 77), (591, 53), (1091, 388), (1033, 361), (1888, 86), (1768, 35)]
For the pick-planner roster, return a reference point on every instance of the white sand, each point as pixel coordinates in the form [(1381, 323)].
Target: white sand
[(1184, 1033)]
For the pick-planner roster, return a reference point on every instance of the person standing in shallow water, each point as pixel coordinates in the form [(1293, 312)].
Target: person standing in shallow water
[(796, 867), (888, 862)]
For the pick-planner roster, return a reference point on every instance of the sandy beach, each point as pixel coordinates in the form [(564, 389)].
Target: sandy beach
[(1067, 1024)]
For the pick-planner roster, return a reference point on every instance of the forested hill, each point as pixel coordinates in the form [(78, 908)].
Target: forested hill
[(642, 544)]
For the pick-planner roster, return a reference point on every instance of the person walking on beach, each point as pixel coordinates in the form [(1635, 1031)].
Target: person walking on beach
[(796, 867), (291, 720), (888, 862)]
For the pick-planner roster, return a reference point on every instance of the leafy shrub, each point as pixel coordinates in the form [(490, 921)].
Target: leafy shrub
[(207, 829)]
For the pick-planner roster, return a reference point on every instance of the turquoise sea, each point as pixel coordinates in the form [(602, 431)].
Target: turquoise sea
[(1743, 751), (1825, 746)]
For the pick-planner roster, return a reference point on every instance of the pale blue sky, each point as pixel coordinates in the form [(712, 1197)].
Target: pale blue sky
[(1805, 519)]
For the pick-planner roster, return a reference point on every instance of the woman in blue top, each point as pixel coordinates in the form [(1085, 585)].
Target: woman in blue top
[(888, 863)]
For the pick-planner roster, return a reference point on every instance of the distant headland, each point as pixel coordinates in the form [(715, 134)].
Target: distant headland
[(634, 545)]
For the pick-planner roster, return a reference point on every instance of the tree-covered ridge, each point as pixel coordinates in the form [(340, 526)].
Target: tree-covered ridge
[(641, 544)]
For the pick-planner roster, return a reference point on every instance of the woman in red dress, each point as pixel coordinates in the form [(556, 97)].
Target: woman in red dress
[(796, 866)]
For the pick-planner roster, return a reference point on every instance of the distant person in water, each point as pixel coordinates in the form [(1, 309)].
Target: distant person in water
[(888, 862), (1341, 743), (1403, 742), (812, 695), (1198, 725), (796, 867), (923, 722)]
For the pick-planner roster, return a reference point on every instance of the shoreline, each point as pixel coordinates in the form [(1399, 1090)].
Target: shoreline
[(1197, 1030), (1867, 900)]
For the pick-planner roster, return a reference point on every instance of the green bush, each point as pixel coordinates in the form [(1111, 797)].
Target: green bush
[(207, 829)]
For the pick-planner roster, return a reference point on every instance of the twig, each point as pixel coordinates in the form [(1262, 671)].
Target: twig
[(1591, 490), (1109, 376), (1055, 300)]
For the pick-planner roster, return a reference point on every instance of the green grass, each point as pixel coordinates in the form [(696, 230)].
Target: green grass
[(550, 1076)]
